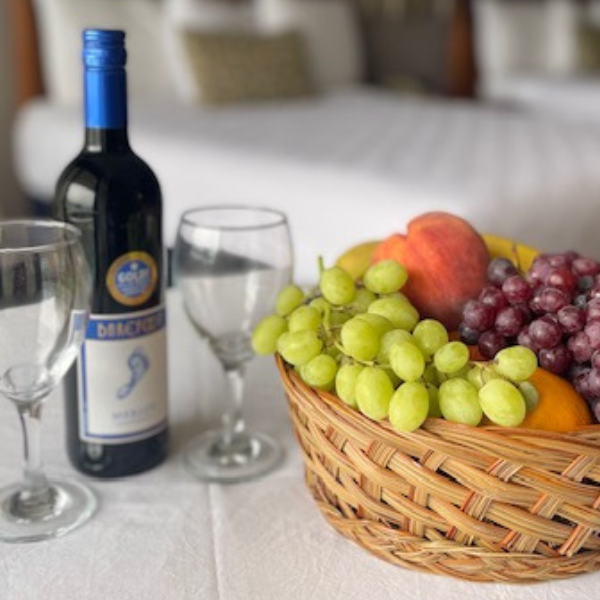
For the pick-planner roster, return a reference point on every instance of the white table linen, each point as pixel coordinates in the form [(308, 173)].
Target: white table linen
[(163, 535)]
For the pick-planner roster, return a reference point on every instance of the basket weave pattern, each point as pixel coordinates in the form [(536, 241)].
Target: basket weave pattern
[(478, 503)]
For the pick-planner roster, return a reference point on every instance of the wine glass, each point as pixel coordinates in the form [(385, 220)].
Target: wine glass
[(45, 288), (230, 264)]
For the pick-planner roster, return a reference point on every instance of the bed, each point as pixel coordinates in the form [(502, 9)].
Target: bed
[(352, 164)]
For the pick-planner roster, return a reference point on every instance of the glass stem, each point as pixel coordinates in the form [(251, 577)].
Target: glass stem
[(35, 483), (233, 419)]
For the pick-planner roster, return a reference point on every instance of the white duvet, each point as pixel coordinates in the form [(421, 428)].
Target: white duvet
[(351, 166)]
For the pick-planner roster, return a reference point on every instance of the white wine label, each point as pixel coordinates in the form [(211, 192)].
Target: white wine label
[(132, 278), (123, 377)]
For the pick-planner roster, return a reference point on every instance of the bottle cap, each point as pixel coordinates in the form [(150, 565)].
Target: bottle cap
[(104, 48)]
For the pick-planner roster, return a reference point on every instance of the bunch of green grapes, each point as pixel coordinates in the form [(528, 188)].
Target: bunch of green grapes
[(366, 342)]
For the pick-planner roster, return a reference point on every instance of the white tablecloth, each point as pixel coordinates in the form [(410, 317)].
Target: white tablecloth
[(164, 536)]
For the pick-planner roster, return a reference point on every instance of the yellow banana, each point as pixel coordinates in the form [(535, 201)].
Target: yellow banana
[(356, 260), (522, 256)]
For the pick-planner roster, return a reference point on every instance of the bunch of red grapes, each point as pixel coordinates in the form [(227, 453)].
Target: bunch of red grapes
[(553, 309)]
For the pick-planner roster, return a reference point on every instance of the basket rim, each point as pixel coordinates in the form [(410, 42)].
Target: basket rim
[(286, 370)]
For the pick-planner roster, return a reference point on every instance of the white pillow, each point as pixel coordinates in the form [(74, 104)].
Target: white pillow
[(60, 24), (331, 32), (524, 36), (199, 15)]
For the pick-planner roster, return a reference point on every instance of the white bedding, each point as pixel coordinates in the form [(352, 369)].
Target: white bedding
[(351, 166)]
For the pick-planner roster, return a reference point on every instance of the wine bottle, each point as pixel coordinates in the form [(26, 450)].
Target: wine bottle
[(116, 394)]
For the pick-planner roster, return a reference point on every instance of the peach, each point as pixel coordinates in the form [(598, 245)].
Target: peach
[(446, 260)]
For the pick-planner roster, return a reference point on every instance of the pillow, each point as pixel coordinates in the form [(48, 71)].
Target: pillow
[(60, 25), (237, 67), (202, 16), (331, 31), (527, 35)]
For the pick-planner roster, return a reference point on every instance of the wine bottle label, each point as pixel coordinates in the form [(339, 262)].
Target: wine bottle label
[(123, 377), (132, 278)]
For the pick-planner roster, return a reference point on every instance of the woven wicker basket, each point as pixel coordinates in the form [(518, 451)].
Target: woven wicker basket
[(478, 503)]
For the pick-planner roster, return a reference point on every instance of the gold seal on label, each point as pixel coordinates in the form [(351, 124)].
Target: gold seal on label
[(132, 278)]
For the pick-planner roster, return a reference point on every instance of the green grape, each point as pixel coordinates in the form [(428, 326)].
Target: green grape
[(345, 383), (400, 313), (321, 305), (479, 375), (373, 393), (409, 406), (530, 395), (502, 403), (451, 357), (298, 347), (388, 339), (304, 317), (516, 363), (362, 300), (396, 381), (434, 401), (337, 286), (459, 402), (397, 295), (430, 375), (430, 335), (333, 351), (266, 334), (379, 323), (461, 374), (407, 361), (290, 298), (320, 372), (385, 277), (339, 317), (360, 339)]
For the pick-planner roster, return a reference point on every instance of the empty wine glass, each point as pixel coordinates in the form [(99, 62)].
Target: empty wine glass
[(45, 289), (230, 264)]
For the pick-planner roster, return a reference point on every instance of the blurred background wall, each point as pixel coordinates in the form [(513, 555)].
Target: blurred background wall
[(11, 202)]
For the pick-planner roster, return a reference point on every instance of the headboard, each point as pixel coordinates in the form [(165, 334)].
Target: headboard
[(460, 67), (28, 81)]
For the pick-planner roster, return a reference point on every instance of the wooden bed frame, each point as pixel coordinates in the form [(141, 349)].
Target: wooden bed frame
[(28, 77)]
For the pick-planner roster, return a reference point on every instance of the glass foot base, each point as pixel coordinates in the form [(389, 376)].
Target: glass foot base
[(65, 506), (248, 456)]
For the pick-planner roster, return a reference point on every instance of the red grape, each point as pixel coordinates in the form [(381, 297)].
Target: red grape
[(478, 315), (493, 296), (583, 266), (545, 332), (524, 339), (561, 278), (500, 269), (539, 269), (551, 299), (516, 289), (468, 335), (491, 342), (592, 309), (593, 383), (571, 318), (509, 321), (557, 359), (579, 345), (592, 330)]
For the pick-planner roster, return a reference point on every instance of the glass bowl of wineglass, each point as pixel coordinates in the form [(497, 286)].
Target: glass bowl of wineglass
[(230, 263), (45, 287)]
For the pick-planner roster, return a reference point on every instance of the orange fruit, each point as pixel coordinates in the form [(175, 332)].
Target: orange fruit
[(560, 407)]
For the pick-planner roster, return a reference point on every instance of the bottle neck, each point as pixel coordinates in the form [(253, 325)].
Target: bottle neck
[(106, 109), (106, 140)]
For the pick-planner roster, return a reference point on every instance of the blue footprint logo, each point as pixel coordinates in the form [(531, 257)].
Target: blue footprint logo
[(138, 364)]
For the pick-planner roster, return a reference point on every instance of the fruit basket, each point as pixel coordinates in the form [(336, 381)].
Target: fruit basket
[(478, 503), (506, 486)]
